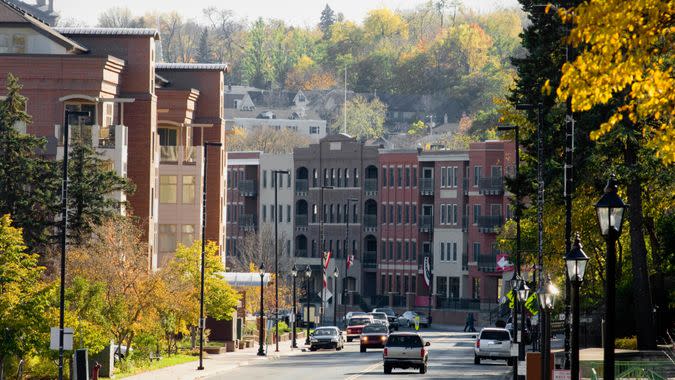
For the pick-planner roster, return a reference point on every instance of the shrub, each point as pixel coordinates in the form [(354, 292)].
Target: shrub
[(629, 343)]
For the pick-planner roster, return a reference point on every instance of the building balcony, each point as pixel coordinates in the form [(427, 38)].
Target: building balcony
[(247, 222), (301, 221), (487, 262), (174, 154), (426, 186), (491, 185), (369, 260), (370, 222), (490, 223), (301, 186), (425, 223), (248, 188), (370, 186), (465, 186), (107, 137)]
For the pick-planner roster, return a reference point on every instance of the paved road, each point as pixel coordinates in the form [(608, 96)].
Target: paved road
[(450, 357)]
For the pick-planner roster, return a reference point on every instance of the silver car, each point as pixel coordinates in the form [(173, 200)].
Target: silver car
[(380, 318), (494, 344)]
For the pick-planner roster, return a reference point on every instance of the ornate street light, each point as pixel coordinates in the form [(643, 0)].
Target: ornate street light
[(547, 295), (261, 352), (576, 261), (610, 209), (294, 274)]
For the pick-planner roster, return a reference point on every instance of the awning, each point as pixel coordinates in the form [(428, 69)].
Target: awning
[(245, 279)]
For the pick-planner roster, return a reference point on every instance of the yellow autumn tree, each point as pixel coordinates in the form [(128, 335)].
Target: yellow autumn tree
[(625, 57)]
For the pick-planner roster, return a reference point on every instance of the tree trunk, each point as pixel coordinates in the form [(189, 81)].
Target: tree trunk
[(646, 334), (2, 367)]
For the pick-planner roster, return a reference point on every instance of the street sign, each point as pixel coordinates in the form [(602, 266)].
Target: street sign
[(503, 263), (67, 338), (326, 294), (522, 367)]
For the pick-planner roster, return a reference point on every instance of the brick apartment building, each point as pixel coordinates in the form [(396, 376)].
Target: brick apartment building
[(112, 73)]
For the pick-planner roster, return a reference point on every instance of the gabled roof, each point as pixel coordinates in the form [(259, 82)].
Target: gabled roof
[(43, 13), (141, 32), (192, 66)]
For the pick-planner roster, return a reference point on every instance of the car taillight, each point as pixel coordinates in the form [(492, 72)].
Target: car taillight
[(385, 351), (422, 352), (478, 343)]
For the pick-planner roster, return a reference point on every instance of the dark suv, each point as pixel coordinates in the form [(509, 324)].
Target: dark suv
[(391, 316)]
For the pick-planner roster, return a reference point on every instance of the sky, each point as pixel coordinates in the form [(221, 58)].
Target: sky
[(295, 12)]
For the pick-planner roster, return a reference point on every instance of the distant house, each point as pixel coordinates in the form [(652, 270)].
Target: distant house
[(42, 10)]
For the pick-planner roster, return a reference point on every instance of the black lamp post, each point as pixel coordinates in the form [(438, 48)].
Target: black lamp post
[(610, 209), (294, 274), (547, 295), (202, 322), (277, 215), (308, 274), (576, 261), (64, 228), (521, 292), (261, 352), (336, 274)]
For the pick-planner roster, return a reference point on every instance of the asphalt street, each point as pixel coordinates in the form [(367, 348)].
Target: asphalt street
[(450, 357)]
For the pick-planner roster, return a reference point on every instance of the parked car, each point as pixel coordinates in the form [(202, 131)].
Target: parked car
[(355, 326), (391, 316), (374, 336), (380, 318), (405, 350), (408, 319), (326, 337), (493, 343)]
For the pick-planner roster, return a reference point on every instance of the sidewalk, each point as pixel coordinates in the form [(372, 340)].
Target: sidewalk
[(217, 364)]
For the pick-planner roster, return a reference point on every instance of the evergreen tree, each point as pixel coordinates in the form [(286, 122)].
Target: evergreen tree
[(327, 20), (29, 186), (204, 51)]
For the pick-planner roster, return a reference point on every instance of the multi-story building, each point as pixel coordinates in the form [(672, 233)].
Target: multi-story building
[(336, 186), (243, 201), (285, 194), (111, 72)]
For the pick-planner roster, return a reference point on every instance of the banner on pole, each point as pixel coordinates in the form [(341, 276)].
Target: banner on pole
[(427, 271)]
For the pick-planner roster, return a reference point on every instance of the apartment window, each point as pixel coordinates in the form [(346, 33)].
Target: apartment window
[(313, 130), (264, 175), (288, 179), (454, 176), (187, 234), (442, 251), (476, 213), (444, 177), (399, 211), (273, 179), (281, 214), (332, 177), (337, 214), (325, 177), (391, 177), (399, 249), (391, 214), (384, 250), (405, 284), (443, 208), (442, 286), (167, 237), (384, 214), (407, 176), (346, 177), (384, 176), (339, 178), (313, 248), (315, 178), (355, 214), (288, 213), (413, 283), (454, 214), (168, 185), (391, 249), (345, 209), (399, 173), (398, 284), (477, 170), (414, 176), (315, 211), (390, 287), (413, 250), (383, 287), (454, 251), (272, 213), (476, 251), (189, 189), (450, 207), (453, 287), (407, 250), (414, 214), (407, 214), (356, 177)]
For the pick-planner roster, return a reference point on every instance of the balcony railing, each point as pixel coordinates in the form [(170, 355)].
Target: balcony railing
[(370, 185), (301, 185), (490, 223), (427, 186), (301, 220), (370, 260), (487, 262), (248, 188), (370, 221), (247, 222), (106, 137), (300, 252), (168, 153), (425, 223), (173, 154), (491, 185)]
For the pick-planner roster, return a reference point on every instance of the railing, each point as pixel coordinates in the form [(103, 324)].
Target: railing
[(168, 153), (106, 137), (370, 185), (629, 369), (301, 220), (426, 186), (487, 262), (247, 222), (300, 252), (370, 221), (425, 222), (248, 188), (369, 260), (491, 185), (301, 185), (490, 223), (189, 154)]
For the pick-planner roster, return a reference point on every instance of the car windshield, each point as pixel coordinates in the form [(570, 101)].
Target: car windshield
[(404, 341), (495, 335), (325, 332), (375, 328), (359, 321), (389, 312), (381, 316)]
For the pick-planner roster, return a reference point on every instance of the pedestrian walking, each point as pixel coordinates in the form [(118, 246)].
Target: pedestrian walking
[(469, 323)]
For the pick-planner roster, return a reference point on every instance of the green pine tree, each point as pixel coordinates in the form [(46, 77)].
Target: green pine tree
[(327, 20), (204, 50)]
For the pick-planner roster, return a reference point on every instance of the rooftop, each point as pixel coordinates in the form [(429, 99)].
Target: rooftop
[(149, 32), (192, 66)]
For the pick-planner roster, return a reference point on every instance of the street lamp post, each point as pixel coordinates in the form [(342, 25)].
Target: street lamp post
[(64, 228), (576, 260), (519, 287), (261, 352), (276, 214), (347, 250), (547, 295), (336, 274), (308, 274), (202, 322), (294, 274), (610, 209)]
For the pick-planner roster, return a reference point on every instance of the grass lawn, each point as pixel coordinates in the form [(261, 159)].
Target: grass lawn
[(157, 364)]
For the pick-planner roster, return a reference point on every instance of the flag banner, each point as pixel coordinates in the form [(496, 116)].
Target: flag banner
[(511, 296), (326, 259), (532, 304), (350, 261), (325, 280), (427, 271)]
